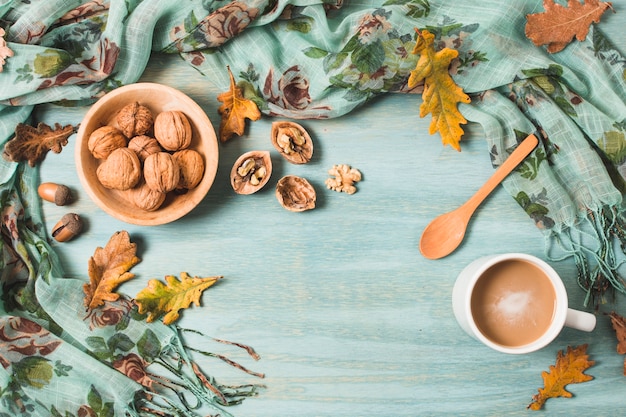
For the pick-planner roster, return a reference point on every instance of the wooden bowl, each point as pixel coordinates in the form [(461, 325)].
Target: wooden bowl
[(157, 98)]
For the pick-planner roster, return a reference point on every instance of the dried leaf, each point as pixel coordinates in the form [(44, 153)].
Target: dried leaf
[(559, 25), (108, 268), (32, 143), (619, 325), (441, 94), (235, 110), (5, 51), (569, 369), (159, 299)]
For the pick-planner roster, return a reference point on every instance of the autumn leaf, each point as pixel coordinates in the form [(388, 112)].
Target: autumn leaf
[(108, 268), (569, 369), (5, 51), (559, 25), (235, 110), (619, 325), (32, 143), (159, 299), (441, 94)]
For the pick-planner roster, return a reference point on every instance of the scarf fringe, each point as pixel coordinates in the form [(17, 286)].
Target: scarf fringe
[(597, 262), (166, 390)]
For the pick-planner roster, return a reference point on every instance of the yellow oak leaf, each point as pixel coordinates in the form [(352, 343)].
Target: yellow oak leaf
[(235, 110), (569, 369), (108, 268), (159, 299), (441, 94)]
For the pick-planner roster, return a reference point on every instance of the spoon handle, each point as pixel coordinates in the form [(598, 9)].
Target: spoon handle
[(517, 156)]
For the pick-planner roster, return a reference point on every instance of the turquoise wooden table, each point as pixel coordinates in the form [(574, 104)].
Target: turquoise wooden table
[(347, 316)]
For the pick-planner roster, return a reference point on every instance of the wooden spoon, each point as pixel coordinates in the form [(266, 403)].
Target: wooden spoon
[(445, 233)]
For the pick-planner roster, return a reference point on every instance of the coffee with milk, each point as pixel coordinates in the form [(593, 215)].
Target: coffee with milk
[(513, 303)]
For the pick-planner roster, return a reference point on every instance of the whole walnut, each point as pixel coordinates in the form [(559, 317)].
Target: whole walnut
[(191, 167), (144, 146), (134, 119), (146, 198), (104, 140), (161, 172), (121, 170), (173, 130)]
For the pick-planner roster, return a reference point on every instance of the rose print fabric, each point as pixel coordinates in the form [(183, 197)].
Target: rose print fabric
[(297, 59)]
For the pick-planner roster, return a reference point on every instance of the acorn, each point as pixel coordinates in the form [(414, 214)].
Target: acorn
[(55, 193), (69, 226)]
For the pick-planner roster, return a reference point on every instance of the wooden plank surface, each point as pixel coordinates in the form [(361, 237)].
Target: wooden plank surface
[(348, 318)]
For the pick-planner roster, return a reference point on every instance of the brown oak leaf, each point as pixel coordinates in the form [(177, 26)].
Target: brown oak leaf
[(32, 143), (235, 110), (569, 369), (559, 25), (108, 268), (619, 325)]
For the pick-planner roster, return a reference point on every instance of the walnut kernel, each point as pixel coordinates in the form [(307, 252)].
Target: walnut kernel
[(251, 172), (344, 178), (292, 141)]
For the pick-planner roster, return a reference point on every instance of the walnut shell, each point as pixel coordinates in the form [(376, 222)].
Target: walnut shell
[(191, 167), (295, 193), (120, 171), (172, 130), (104, 140), (144, 146), (251, 172), (161, 172), (146, 198), (292, 141), (134, 119)]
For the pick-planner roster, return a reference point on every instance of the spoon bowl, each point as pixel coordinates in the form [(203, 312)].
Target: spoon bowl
[(446, 232)]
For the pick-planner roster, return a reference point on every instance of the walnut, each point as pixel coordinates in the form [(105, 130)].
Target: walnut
[(134, 119), (292, 141), (121, 170), (191, 167), (144, 146), (146, 198), (251, 172), (172, 130), (161, 172), (345, 178), (104, 140), (295, 193)]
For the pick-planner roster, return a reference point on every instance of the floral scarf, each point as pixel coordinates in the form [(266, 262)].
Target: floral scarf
[(312, 59)]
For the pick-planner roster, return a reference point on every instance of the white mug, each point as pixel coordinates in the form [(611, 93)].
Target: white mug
[(514, 303)]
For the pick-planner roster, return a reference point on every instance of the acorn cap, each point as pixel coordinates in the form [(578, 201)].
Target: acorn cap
[(62, 196)]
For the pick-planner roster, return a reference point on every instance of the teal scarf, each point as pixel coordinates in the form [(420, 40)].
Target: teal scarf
[(295, 59)]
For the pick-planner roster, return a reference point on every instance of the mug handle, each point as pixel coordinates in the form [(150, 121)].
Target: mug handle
[(580, 320)]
